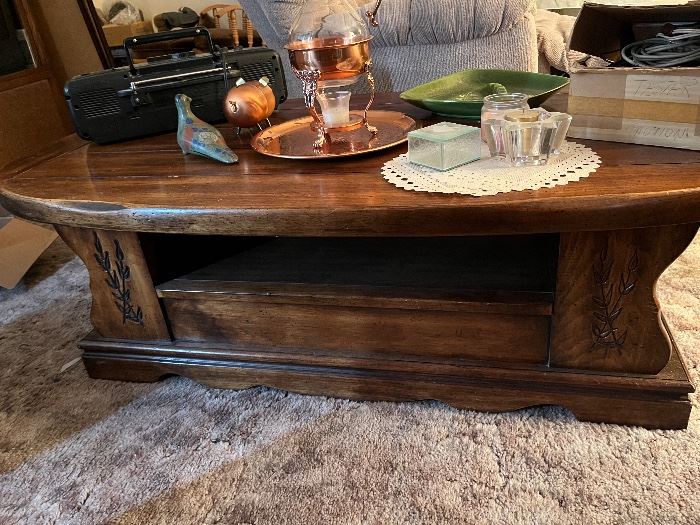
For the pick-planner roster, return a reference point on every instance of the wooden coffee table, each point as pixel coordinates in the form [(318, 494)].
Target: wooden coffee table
[(322, 278)]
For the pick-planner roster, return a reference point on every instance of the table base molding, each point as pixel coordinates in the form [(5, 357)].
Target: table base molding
[(659, 401)]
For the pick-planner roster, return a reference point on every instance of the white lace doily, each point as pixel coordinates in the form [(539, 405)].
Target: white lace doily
[(490, 176)]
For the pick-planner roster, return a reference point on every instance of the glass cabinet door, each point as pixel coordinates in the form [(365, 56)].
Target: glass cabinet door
[(15, 51)]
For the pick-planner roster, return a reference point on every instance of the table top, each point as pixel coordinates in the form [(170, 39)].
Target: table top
[(147, 185)]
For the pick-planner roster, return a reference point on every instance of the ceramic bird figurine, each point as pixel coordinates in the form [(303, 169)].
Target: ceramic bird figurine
[(197, 137)]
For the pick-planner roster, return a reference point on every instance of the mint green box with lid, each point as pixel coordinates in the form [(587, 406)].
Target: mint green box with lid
[(444, 146)]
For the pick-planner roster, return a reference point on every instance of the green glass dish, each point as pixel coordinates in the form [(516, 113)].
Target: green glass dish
[(461, 94)]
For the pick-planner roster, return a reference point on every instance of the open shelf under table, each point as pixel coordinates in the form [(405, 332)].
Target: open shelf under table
[(460, 298)]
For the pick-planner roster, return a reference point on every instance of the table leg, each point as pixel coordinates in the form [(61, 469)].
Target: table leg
[(606, 316), (124, 301)]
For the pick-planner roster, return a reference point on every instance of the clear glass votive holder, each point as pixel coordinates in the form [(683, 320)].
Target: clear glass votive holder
[(335, 107), (528, 143), (492, 129), (444, 146)]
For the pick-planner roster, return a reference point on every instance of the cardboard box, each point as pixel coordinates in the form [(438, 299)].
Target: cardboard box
[(21, 244), (115, 34), (659, 107)]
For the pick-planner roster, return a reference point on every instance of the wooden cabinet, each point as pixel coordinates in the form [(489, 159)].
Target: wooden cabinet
[(31, 106), (42, 43)]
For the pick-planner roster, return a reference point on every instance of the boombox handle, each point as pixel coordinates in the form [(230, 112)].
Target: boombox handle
[(139, 40)]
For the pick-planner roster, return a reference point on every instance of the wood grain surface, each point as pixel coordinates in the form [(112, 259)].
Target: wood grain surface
[(606, 312), (124, 301), (147, 185), (653, 401), (396, 332)]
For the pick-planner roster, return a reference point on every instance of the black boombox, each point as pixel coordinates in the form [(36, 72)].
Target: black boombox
[(133, 101)]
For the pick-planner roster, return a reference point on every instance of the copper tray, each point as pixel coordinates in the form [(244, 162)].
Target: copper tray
[(294, 139)]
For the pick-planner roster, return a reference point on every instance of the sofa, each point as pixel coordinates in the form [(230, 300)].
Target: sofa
[(420, 40)]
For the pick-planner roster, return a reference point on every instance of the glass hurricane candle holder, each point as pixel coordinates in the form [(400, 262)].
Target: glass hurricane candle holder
[(496, 106), (329, 48)]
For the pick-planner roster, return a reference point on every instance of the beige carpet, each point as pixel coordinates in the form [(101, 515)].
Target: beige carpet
[(76, 450)]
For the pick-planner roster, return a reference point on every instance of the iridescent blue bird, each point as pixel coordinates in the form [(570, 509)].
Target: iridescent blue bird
[(197, 137)]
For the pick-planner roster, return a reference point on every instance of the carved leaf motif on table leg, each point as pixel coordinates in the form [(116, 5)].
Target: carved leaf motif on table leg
[(117, 280), (608, 301)]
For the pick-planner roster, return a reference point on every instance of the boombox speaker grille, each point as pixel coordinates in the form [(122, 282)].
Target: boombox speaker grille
[(99, 103), (257, 71)]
